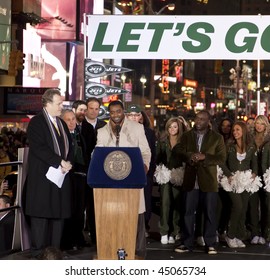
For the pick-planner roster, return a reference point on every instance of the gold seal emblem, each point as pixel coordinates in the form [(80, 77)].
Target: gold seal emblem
[(117, 165)]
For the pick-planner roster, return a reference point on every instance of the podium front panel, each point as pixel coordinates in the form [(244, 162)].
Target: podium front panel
[(116, 167), (116, 212)]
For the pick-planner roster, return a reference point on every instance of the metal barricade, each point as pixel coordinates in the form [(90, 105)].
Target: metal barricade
[(21, 239)]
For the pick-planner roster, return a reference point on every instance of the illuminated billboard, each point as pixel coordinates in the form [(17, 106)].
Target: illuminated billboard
[(5, 33), (23, 101), (61, 16), (75, 77), (54, 57)]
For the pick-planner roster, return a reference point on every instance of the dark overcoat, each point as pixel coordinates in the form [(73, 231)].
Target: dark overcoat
[(44, 198), (206, 171), (6, 231), (89, 134)]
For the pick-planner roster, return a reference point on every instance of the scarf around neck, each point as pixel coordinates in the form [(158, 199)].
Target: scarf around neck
[(54, 136)]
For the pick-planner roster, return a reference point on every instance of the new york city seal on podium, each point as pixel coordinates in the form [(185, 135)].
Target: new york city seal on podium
[(117, 165)]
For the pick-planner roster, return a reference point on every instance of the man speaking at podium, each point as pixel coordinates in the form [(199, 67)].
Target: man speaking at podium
[(121, 132)]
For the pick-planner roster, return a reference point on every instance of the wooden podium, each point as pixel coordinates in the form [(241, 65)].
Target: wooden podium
[(117, 175)]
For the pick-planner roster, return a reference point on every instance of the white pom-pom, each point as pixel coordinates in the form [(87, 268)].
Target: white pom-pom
[(177, 176), (243, 181), (255, 185), (162, 174), (240, 180), (219, 174), (266, 178), (224, 182)]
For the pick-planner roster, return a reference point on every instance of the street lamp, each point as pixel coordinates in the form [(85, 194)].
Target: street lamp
[(123, 78), (170, 7), (143, 81), (237, 69)]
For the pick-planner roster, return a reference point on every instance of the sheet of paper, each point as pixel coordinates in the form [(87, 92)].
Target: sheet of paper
[(56, 176)]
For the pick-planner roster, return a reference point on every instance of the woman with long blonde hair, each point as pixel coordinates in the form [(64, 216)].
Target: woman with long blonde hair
[(256, 207), (260, 201)]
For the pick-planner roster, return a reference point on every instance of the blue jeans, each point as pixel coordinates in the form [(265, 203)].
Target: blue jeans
[(207, 201)]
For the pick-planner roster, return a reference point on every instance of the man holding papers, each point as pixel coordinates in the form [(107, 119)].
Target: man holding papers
[(48, 201)]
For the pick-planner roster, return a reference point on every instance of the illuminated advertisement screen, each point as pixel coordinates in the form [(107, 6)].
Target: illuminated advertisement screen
[(23, 101), (61, 16), (75, 70), (86, 6), (5, 33), (54, 56), (33, 70)]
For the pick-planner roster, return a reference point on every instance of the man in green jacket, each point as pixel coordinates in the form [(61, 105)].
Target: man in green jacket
[(202, 150)]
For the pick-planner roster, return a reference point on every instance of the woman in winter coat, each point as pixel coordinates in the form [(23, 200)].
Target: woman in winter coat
[(241, 157), (169, 193)]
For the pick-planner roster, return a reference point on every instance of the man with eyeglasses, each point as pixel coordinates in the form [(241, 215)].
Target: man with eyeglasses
[(134, 112)]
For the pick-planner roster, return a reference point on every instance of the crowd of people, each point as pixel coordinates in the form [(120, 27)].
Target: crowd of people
[(214, 180)]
